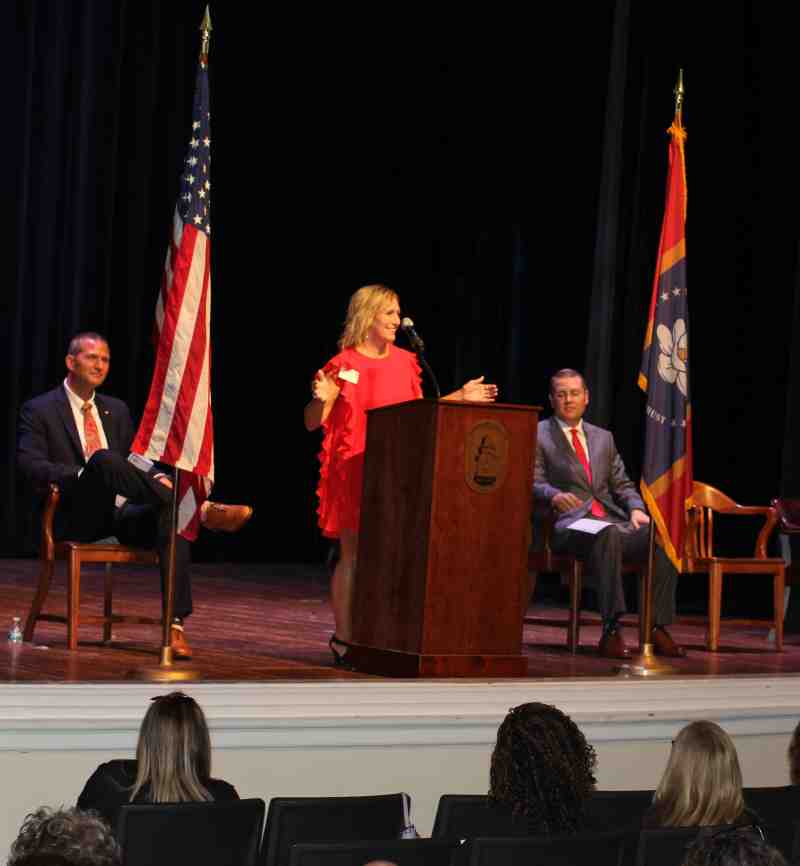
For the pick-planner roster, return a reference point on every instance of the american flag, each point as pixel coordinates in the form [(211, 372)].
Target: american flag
[(177, 426)]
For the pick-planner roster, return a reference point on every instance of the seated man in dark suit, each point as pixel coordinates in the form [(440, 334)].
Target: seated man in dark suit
[(580, 474), (79, 439)]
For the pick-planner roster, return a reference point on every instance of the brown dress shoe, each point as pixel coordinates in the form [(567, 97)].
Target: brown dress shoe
[(612, 645), (177, 641), (664, 645), (225, 518)]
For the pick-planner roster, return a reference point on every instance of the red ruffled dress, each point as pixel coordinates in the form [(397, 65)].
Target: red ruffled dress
[(381, 382)]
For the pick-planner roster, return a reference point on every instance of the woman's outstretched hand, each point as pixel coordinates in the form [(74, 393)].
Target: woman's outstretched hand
[(475, 391)]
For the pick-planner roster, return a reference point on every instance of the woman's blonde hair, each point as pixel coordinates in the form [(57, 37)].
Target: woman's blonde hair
[(364, 306), (173, 754), (702, 784)]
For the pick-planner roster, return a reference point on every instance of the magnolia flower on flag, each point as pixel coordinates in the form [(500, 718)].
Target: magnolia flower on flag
[(674, 355)]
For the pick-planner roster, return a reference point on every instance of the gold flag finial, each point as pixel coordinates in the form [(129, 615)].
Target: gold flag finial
[(205, 29), (679, 93)]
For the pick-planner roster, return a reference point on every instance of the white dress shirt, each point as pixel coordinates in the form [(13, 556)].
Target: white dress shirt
[(75, 403), (567, 428)]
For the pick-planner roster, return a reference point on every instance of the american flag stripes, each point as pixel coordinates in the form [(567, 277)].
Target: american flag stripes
[(177, 425)]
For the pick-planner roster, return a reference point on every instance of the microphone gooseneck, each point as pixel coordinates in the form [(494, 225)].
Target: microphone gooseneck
[(419, 347)]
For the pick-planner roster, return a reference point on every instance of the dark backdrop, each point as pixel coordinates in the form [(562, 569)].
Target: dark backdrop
[(505, 175)]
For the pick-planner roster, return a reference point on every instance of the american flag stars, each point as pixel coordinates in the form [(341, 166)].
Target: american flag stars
[(195, 196)]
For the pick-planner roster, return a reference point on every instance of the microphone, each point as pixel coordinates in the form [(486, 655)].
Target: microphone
[(419, 347), (413, 337)]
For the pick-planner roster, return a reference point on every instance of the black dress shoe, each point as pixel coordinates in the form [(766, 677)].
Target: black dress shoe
[(612, 645), (664, 645)]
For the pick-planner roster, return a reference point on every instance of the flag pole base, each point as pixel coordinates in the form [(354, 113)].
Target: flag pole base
[(644, 665), (165, 672)]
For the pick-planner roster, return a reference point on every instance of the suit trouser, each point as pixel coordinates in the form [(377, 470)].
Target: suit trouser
[(603, 554), (144, 520)]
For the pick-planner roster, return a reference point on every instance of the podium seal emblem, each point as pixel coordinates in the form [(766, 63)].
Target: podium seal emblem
[(486, 456)]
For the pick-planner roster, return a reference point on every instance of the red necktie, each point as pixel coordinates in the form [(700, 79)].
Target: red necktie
[(91, 434), (597, 508)]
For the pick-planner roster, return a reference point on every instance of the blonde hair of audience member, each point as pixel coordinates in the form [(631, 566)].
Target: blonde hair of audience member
[(173, 755), (363, 309), (702, 783), (794, 756)]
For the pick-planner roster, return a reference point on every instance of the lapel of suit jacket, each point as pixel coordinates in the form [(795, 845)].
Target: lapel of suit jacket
[(574, 465), (564, 447), (107, 420), (593, 441), (68, 420)]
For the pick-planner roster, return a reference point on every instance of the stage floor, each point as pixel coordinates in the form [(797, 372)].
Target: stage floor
[(261, 623)]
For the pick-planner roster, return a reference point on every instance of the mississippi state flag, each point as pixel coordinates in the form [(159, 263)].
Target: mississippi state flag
[(177, 426), (667, 468)]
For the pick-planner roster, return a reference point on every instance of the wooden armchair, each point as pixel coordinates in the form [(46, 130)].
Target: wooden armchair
[(76, 553), (704, 503), (544, 561), (788, 512)]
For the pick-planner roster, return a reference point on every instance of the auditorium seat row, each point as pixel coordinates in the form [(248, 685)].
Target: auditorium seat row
[(350, 831)]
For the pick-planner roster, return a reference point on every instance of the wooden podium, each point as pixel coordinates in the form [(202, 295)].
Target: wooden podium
[(443, 541)]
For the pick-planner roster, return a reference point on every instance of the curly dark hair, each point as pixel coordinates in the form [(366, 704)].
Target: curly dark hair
[(734, 846), (64, 837), (542, 768)]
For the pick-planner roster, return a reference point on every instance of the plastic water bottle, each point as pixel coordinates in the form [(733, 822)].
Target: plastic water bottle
[(15, 634)]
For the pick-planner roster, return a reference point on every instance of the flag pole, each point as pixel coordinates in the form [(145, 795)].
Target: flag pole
[(645, 663), (169, 583), (166, 672), (679, 94)]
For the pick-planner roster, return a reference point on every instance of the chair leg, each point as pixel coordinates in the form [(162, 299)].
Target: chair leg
[(574, 624), (73, 598), (45, 576), (108, 604), (778, 601), (714, 606)]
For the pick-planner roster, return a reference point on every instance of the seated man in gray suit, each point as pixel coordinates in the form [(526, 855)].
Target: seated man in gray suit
[(579, 473)]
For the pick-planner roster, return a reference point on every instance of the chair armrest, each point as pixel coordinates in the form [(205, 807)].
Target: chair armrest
[(763, 536), (47, 548)]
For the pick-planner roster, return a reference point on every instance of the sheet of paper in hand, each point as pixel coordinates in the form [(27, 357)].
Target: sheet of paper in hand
[(590, 525)]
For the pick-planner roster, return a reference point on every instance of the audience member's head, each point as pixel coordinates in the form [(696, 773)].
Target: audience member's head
[(744, 846), (542, 768), (173, 755), (702, 784), (794, 756), (65, 837)]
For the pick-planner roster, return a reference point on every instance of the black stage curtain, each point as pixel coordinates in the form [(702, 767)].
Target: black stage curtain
[(506, 177)]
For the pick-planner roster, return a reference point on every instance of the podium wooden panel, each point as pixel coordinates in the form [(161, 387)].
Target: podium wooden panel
[(443, 541)]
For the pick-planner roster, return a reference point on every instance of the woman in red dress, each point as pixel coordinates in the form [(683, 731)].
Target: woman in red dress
[(369, 372)]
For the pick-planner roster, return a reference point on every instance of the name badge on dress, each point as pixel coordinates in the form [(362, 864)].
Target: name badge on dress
[(349, 376)]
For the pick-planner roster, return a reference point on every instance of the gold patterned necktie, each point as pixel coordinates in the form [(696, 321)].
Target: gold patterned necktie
[(91, 435)]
